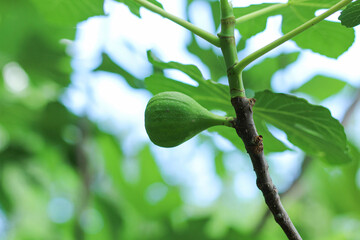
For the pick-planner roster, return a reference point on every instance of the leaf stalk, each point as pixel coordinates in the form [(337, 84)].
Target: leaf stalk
[(260, 12), (211, 38)]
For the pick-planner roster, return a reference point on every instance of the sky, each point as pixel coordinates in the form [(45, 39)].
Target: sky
[(107, 99)]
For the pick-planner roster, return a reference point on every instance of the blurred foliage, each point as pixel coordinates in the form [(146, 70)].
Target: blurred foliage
[(63, 177)]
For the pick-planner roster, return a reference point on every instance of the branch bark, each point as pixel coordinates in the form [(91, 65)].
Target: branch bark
[(294, 184), (246, 130), (307, 159)]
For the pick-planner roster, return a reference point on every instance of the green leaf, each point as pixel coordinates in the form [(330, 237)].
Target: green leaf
[(314, 3), (5, 201), (191, 70), (214, 62), (350, 16), (219, 164), (258, 77), (338, 188), (109, 66), (327, 38), (211, 95), (134, 191), (215, 6), (254, 25), (309, 127), (34, 45), (43, 60), (113, 215), (271, 143), (53, 120), (229, 134), (321, 87), (67, 13), (134, 7)]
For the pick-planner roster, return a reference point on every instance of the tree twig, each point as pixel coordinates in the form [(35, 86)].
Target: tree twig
[(294, 184), (305, 163), (246, 130)]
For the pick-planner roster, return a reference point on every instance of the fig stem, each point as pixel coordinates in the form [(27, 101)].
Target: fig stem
[(230, 122), (228, 48)]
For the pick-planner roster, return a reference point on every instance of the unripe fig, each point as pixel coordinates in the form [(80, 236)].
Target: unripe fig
[(172, 118)]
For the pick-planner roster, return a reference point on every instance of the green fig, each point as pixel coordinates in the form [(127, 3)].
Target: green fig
[(172, 118)]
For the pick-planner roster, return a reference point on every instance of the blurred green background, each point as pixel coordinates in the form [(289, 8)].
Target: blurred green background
[(75, 162)]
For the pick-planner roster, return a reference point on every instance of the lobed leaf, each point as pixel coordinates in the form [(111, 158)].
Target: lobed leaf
[(149, 175), (191, 70), (214, 62), (315, 87), (211, 95), (350, 16), (310, 127), (67, 13), (134, 7), (258, 77), (327, 38), (109, 65), (254, 25)]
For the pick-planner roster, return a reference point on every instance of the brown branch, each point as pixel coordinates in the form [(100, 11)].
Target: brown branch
[(345, 120), (246, 130), (294, 184)]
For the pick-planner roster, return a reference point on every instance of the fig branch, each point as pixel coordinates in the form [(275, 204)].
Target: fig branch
[(244, 124), (172, 118), (191, 27)]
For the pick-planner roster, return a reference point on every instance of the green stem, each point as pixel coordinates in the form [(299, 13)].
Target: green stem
[(260, 12), (250, 58), (191, 27), (228, 48)]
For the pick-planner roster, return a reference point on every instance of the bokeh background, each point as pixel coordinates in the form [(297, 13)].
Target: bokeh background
[(75, 161)]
